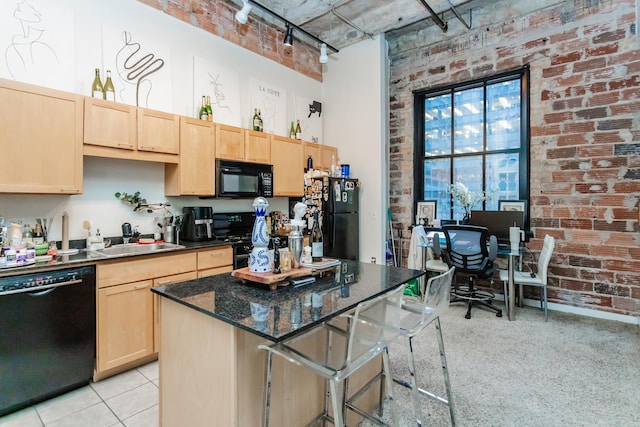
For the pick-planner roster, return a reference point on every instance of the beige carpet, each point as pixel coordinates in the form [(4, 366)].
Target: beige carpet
[(571, 371)]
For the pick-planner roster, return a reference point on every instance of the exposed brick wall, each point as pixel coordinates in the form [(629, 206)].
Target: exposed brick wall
[(218, 18), (585, 133)]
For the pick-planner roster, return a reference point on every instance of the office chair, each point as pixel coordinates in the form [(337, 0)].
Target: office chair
[(373, 325), (419, 315), (540, 277), (472, 252)]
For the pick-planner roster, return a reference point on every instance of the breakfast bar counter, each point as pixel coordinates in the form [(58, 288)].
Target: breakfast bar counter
[(211, 370)]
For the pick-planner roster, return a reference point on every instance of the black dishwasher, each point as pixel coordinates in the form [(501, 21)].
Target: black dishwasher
[(47, 335)]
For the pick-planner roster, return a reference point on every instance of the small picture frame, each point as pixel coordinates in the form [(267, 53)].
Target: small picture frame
[(513, 205), (426, 212)]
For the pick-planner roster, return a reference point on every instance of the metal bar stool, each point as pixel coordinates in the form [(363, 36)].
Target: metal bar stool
[(373, 325)]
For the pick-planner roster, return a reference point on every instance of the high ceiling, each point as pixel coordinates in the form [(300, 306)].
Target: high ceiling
[(341, 23)]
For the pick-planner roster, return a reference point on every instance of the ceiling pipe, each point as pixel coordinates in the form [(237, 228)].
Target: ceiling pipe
[(455, 12), (347, 21), (443, 25)]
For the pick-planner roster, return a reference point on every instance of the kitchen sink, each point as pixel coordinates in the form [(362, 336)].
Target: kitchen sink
[(137, 249)]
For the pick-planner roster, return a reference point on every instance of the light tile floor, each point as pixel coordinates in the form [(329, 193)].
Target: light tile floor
[(129, 399)]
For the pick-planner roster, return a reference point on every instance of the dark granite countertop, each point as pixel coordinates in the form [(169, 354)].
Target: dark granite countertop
[(286, 311), (90, 257)]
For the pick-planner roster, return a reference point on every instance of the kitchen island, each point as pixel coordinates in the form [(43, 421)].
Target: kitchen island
[(211, 371)]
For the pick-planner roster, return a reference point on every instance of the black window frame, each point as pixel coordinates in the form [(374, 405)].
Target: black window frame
[(419, 97)]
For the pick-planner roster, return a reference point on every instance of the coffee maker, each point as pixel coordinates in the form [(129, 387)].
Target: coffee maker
[(197, 223)]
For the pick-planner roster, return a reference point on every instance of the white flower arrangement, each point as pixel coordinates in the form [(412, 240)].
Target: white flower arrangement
[(466, 199)]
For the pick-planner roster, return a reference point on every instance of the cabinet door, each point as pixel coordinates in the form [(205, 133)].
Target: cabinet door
[(194, 173), (257, 147), (125, 324), (328, 154), (163, 281), (40, 140), (229, 142), (158, 132), (109, 124), (213, 258), (313, 150), (288, 173)]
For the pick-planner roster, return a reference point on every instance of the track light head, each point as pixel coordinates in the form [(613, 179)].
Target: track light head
[(243, 14), (288, 38), (323, 54)]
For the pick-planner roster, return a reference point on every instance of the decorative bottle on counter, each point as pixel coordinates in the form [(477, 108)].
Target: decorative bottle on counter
[(298, 130), (209, 109), (292, 131), (97, 90), (109, 90), (309, 163), (260, 262), (204, 115), (260, 122), (256, 120), (317, 245)]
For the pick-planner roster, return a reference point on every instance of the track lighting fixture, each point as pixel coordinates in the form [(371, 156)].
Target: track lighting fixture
[(243, 14), (288, 38), (323, 54)]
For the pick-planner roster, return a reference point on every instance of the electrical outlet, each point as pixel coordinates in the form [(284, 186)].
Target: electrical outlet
[(373, 260), (10, 221)]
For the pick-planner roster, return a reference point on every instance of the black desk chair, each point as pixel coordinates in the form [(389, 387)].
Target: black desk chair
[(472, 252)]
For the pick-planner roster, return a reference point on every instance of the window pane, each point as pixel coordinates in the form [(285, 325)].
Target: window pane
[(437, 125), (468, 171), (503, 178), (436, 185), (468, 122), (503, 115)]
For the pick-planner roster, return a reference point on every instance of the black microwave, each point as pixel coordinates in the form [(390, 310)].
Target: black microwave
[(242, 180)]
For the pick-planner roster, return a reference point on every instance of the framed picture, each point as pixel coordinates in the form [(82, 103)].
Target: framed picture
[(513, 205), (426, 212)]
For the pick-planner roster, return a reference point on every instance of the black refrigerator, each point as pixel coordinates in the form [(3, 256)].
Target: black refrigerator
[(337, 203)]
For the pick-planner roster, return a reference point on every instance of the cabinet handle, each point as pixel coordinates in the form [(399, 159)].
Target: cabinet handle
[(125, 145), (145, 147), (141, 286)]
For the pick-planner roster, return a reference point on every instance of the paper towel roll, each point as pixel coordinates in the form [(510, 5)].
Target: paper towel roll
[(65, 231)]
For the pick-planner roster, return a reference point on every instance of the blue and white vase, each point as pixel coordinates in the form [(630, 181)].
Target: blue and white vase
[(260, 261)]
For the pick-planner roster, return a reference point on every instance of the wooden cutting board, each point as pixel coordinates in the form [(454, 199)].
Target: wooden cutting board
[(270, 279)]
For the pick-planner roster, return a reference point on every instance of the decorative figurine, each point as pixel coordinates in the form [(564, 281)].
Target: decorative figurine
[(260, 262)]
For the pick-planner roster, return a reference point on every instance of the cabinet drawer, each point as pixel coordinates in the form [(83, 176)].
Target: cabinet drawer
[(117, 272), (215, 271), (215, 258)]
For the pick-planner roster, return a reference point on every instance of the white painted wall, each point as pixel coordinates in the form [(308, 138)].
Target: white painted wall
[(103, 177), (355, 120)]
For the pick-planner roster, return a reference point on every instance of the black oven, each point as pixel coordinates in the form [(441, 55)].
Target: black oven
[(241, 180)]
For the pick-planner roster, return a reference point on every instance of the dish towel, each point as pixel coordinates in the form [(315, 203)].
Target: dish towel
[(418, 236)]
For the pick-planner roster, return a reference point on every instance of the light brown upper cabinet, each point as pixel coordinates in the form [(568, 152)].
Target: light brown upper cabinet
[(158, 132), (194, 174), (328, 154), (288, 172), (322, 155), (257, 147), (244, 145), (40, 140), (229, 142), (123, 131)]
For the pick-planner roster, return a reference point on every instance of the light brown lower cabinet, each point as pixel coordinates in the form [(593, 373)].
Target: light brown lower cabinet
[(128, 332), (125, 324)]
